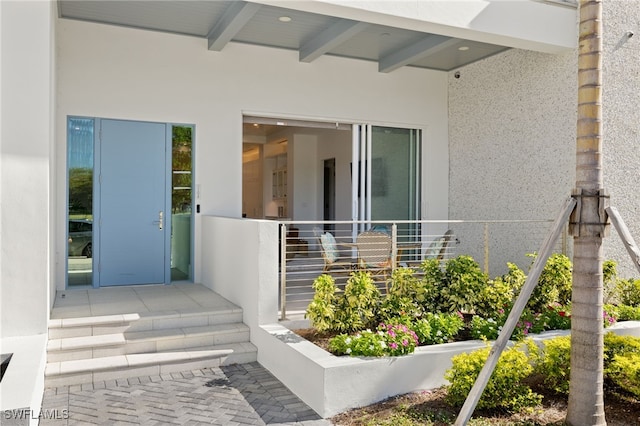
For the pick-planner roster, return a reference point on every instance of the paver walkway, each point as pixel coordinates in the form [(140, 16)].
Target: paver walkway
[(243, 394)]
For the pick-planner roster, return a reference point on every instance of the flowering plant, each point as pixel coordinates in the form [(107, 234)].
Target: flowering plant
[(555, 317), (389, 339), (400, 339), (608, 317)]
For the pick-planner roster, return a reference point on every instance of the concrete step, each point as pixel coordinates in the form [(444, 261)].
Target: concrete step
[(93, 349), (111, 324), (85, 347), (71, 372)]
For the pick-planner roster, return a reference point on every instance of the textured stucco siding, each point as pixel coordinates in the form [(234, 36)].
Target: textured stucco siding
[(512, 125), (621, 122), (512, 140)]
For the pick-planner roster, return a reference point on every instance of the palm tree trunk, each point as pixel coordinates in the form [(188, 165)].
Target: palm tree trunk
[(586, 401)]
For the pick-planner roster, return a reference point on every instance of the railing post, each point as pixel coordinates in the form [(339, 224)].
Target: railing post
[(394, 246), (283, 271), (486, 248)]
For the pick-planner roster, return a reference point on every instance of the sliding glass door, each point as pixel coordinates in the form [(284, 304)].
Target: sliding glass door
[(386, 181)]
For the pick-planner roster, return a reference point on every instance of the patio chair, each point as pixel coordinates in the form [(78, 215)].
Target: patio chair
[(330, 252), (438, 247), (374, 252)]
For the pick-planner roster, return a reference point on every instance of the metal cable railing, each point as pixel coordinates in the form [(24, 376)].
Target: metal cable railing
[(310, 249)]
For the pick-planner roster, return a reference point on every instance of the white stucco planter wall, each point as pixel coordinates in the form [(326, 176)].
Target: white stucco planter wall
[(331, 385)]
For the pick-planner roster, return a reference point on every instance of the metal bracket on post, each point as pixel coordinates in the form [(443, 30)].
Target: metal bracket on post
[(578, 226)]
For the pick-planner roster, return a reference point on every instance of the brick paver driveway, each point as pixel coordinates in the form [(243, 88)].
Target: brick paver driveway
[(244, 394)]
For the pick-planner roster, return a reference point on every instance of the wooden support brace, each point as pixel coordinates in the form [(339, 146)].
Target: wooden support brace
[(625, 235)]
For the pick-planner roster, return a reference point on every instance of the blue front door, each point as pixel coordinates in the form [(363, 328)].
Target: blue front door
[(133, 217)]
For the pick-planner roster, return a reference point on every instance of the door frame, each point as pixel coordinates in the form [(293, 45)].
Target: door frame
[(96, 210)]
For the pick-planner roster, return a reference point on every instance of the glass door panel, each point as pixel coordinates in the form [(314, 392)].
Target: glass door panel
[(181, 202), (80, 142), (394, 174), (386, 181)]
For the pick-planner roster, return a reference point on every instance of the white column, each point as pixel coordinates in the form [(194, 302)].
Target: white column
[(26, 86)]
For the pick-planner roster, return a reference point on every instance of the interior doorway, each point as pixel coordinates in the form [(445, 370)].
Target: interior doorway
[(329, 193)]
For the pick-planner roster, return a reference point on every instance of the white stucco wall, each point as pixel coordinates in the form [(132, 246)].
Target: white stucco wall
[(512, 121), (115, 72), (26, 144)]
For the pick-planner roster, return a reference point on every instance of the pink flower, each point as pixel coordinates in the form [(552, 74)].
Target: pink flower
[(404, 342), (394, 345)]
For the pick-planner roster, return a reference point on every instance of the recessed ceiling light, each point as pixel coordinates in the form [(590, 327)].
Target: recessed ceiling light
[(463, 48), (385, 35), (284, 19)]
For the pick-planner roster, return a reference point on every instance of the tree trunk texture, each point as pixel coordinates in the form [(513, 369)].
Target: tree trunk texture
[(586, 400)]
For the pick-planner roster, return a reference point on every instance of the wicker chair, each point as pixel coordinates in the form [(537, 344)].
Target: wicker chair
[(330, 252), (374, 252)]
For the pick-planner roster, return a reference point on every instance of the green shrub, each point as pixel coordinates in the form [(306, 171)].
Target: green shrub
[(433, 279), (490, 328), (554, 363), (554, 284), (322, 309), (354, 309), (463, 282), (609, 280), (404, 283), (624, 312), (504, 389), (399, 308), (357, 309), (622, 361), (629, 292), (500, 292), (615, 344), (422, 328), (624, 371), (484, 328), (443, 327)]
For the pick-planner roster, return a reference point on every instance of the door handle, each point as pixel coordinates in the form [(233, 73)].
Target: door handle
[(160, 221)]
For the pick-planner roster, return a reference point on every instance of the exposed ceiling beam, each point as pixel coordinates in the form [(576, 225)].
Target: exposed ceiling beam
[(333, 36), (425, 47), (233, 20)]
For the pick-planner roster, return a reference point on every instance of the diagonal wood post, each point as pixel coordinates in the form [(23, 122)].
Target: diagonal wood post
[(625, 235), (508, 327)]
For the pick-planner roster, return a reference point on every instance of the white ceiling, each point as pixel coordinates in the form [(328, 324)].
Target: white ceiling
[(311, 34)]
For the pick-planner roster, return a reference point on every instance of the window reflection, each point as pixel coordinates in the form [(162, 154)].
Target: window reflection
[(80, 133), (181, 202)]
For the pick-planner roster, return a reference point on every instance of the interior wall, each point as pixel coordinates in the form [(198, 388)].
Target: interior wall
[(115, 72), (335, 144)]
